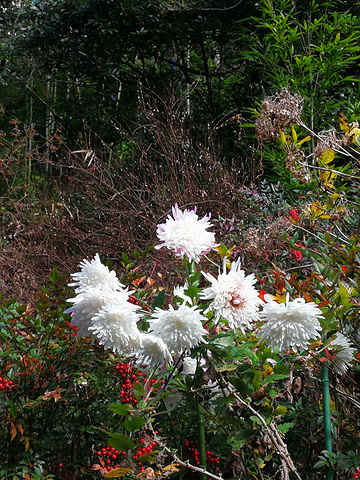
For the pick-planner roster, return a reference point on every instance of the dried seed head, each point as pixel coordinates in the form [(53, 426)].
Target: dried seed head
[(278, 113)]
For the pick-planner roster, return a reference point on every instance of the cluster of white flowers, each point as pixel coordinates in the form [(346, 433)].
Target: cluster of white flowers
[(102, 310)]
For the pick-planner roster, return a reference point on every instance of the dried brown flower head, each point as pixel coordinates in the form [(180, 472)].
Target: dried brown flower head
[(278, 113), (328, 140)]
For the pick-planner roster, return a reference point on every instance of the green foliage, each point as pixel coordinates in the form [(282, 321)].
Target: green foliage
[(61, 388)]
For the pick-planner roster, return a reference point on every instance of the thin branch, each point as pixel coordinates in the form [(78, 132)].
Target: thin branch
[(274, 434), (177, 459)]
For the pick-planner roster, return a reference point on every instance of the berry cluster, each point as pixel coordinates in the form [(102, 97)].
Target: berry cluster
[(110, 457), (212, 460), (145, 450), (357, 473), (131, 377), (133, 300), (6, 384)]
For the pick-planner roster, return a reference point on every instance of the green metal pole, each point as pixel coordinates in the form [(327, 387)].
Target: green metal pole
[(201, 434), (326, 414), (200, 410)]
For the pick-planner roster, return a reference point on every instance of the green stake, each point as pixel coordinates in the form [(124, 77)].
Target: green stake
[(326, 414), (201, 432), (200, 409)]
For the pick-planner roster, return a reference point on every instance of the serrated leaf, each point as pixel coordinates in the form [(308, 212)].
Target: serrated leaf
[(135, 423), (256, 420), (159, 299), (284, 427), (174, 467), (148, 474), (280, 410)]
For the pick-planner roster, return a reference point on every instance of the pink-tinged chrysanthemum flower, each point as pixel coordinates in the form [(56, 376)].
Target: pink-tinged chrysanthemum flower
[(95, 275), (179, 329), (115, 324), (233, 296), (342, 353), (153, 351), (291, 324), (186, 235)]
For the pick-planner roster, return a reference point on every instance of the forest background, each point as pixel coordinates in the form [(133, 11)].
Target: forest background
[(112, 112)]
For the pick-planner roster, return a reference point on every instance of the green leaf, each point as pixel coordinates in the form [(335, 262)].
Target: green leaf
[(227, 368), (120, 441), (13, 409), (241, 438), (159, 299), (284, 427), (256, 420), (119, 408), (274, 377), (192, 291), (135, 423)]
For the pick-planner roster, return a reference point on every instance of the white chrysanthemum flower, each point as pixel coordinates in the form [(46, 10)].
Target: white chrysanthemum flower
[(342, 353), (180, 329), (153, 351), (186, 235), (86, 306), (233, 296), (179, 292), (95, 275), (115, 324), (289, 325)]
